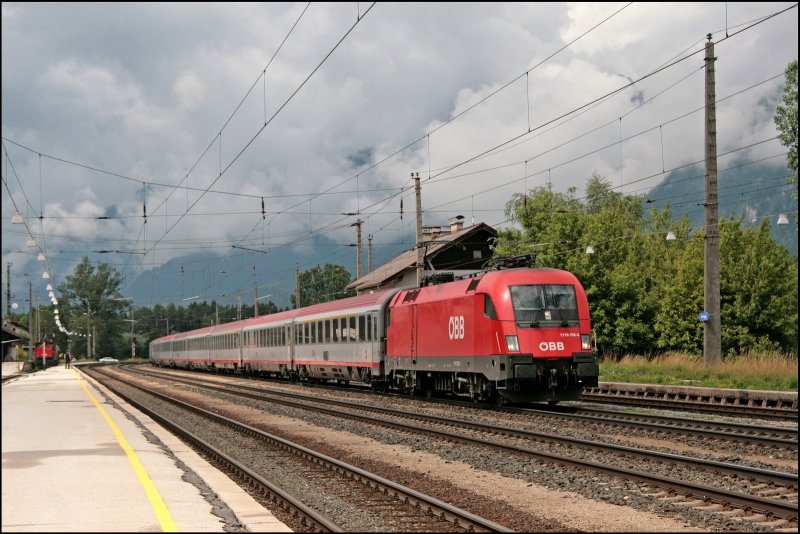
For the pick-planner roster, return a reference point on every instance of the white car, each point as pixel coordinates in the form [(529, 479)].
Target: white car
[(108, 360)]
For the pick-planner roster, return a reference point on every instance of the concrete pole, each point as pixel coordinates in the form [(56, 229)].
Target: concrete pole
[(8, 289), (297, 286), (420, 251), (369, 253), (712, 339), (88, 331), (255, 298), (30, 322), (133, 342), (359, 253)]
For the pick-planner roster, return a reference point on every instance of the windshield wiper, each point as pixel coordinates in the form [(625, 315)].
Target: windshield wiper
[(563, 317)]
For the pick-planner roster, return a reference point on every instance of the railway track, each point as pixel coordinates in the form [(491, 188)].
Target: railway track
[(393, 504), (748, 433), (757, 492), (781, 406)]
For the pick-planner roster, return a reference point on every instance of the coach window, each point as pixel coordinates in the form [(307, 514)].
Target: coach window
[(369, 328), (352, 333), (327, 324), (362, 328)]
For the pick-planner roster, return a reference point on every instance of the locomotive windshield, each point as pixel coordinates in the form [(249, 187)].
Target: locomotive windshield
[(544, 305)]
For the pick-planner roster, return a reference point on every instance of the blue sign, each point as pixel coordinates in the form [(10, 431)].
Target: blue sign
[(704, 316)]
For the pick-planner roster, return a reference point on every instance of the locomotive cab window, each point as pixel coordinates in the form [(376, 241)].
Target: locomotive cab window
[(551, 305), (488, 307)]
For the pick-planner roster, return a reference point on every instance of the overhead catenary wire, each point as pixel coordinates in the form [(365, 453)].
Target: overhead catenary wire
[(154, 247)]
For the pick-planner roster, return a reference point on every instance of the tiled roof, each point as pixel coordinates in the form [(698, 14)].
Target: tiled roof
[(395, 267)]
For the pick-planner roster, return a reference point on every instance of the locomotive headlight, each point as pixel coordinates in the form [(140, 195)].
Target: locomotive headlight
[(512, 343), (586, 342)]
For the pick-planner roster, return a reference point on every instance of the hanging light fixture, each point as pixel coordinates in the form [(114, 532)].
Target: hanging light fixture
[(670, 236), (30, 242), (782, 219), (45, 275), (49, 287), (589, 250), (40, 257), (16, 218)]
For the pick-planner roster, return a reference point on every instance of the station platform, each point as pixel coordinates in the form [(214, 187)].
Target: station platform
[(76, 458)]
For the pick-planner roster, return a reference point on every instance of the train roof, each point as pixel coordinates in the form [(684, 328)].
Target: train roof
[(270, 319), (489, 282), (164, 338), (358, 304)]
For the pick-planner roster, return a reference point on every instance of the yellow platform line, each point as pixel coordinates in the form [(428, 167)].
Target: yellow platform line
[(159, 507)]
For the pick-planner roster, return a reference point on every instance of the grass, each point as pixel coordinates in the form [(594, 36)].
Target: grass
[(774, 372)]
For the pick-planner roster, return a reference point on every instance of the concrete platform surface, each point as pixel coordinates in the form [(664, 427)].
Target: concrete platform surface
[(78, 459)]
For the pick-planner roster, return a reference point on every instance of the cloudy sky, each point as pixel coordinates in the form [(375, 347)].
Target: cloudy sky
[(197, 113)]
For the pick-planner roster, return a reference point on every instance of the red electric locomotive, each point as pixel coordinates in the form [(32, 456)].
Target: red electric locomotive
[(518, 335), (45, 353)]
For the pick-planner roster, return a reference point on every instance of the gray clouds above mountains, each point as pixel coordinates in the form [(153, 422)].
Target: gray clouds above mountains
[(144, 89)]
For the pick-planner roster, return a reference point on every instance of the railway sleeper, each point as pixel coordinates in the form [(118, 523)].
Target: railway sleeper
[(695, 503)]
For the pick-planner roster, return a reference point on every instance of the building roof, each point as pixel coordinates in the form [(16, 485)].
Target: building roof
[(12, 330), (395, 267)]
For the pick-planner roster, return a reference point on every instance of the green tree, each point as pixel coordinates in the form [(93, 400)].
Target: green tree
[(645, 293), (90, 296), (323, 284), (758, 288), (786, 121), (677, 324), (758, 292)]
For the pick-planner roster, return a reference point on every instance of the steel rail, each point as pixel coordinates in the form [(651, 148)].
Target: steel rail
[(435, 507), (766, 506)]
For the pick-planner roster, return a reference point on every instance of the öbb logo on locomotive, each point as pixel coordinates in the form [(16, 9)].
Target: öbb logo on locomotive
[(455, 327), (513, 335)]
